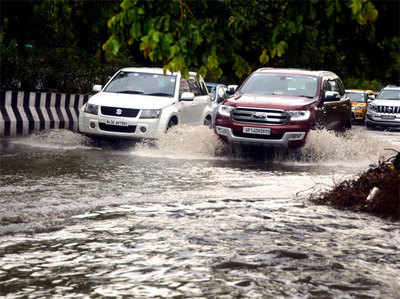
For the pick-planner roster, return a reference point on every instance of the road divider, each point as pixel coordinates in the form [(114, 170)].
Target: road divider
[(22, 113)]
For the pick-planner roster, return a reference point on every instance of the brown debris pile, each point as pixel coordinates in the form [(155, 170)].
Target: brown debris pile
[(357, 194)]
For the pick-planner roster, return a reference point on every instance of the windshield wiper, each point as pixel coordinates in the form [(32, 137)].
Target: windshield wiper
[(305, 96), (159, 94), (131, 91)]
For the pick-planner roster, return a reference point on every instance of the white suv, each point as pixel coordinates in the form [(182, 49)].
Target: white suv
[(384, 111), (142, 103)]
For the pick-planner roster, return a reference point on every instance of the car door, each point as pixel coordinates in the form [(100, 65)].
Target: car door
[(185, 108), (334, 111), (201, 100)]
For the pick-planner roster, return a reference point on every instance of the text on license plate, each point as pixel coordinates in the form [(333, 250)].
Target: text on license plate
[(258, 131), (388, 116), (114, 122)]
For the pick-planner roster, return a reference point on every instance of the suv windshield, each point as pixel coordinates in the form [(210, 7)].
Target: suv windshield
[(389, 95), (356, 97), (278, 84), (142, 83)]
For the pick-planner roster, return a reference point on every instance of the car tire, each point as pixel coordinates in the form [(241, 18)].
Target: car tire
[(171, 123), (347, 125), (207, 121), (369, 126)]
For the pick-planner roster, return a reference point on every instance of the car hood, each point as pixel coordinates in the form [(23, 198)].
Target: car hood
[(270, 101), (381, 102), (134, 101)]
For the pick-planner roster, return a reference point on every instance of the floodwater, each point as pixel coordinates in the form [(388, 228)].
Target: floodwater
[(184, 218)]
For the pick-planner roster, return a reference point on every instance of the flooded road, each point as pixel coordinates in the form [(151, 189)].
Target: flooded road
[(183, 218)]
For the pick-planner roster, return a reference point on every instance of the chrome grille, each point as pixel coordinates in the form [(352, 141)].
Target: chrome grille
[(388, 109), (115, 111), (260, 116)]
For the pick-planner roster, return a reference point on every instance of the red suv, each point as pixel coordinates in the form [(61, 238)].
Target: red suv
[(278, 107)]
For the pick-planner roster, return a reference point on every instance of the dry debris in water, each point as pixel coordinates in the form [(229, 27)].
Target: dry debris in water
[(376, 191)]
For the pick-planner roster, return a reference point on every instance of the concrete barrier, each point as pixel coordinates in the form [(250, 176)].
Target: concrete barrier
[(22, 113)]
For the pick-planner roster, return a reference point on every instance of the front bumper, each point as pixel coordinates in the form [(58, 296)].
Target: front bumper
[(288, 139), (137, 128), (382, 120), (357, 115)]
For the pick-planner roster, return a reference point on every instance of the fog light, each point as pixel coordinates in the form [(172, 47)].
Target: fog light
[(143, 129), (295, 136), (92, 125), (222, 131)]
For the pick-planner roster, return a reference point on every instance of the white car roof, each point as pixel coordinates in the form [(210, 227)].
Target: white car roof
[(391, 87), (152, 70)]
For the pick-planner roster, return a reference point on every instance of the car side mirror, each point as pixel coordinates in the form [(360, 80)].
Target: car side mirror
[(97, 88), (231, 89), (187, 96), (371, 97), (220, 100), (331, 96)]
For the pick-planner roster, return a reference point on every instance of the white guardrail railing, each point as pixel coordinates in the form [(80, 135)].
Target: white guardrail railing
[(22, 113)]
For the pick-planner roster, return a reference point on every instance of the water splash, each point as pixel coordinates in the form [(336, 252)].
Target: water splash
[(356, 145), (200, 142), (192, 142), (321, 147), (55, 139)]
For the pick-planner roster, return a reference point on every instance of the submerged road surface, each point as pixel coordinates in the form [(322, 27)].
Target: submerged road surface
[(182, 218)]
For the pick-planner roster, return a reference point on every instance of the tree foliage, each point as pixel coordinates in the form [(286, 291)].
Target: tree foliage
[(215, 37), (71, 41)]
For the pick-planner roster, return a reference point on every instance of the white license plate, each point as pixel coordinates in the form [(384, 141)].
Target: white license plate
[(388, 116), (114, 122), (258, 131)]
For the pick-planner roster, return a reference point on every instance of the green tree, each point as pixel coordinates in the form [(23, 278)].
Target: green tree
[(213, 37)]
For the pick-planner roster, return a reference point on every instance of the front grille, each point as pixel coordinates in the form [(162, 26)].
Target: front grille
[(120, 129), (246, 135), (387, 109), (260, 116), (115, 111)]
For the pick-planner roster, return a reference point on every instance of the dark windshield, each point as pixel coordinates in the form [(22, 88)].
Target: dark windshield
[(357, 97), (389, 95), (142, 83), (277, 84)]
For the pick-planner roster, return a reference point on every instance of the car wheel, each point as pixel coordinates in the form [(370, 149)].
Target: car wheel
[(172, 122), (348, 125), (369, 126), (207, 121)]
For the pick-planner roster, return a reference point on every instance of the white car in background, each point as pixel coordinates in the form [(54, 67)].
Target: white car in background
[(384, 111), (140, 103)]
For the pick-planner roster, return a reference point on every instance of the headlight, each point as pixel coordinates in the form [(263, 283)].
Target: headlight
[(297, 115), (372, 107), (225, 110), (91, 109), (150, 113)]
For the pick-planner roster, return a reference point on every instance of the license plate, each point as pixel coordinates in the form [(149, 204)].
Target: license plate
[(114, 122), (258, 131), (388, 116)]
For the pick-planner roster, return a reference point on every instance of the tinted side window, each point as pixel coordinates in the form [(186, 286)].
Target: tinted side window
[(340, 87), (326, 85), (204, 90), (184, 86), (195, 87)]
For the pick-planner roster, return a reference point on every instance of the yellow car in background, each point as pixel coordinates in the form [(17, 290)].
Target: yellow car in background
[(359, 102)]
